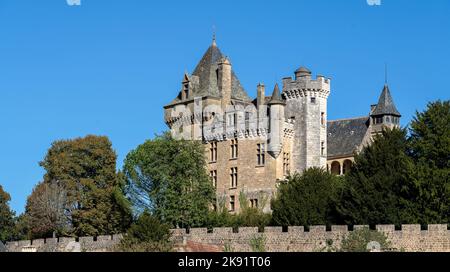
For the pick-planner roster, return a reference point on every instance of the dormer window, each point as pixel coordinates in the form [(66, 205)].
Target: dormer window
[(186, 91)]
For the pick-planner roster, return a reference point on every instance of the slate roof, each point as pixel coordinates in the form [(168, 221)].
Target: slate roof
[(345, 136), (206, 71), (276, 97), (386, 104)]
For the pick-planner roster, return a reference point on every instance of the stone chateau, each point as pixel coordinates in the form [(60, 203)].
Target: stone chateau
[(253, 144)]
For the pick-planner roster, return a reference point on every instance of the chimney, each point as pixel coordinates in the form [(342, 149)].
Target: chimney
[(224, 82), (260, 95)]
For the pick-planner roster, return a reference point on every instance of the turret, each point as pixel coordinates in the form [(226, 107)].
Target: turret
[(306, 102), (224, 81), (384, 114), (276, 122)]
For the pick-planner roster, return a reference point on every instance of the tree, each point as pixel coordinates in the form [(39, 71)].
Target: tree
[(48, 211), (361, 240), (147, 234), (306, 199), (86, 170), (169, 178), (430, 149), (6, 216), (380, 188)]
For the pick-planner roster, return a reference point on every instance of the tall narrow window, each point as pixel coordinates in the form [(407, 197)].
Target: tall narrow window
[(260, 154), (286, 163), (213, 152), (234, 149), (232, 203), (233, 177), (254, 203), (213, 176), (322, 148), (322, 118)]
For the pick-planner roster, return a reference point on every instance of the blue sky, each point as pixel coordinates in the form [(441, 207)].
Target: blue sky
[(108, 67)]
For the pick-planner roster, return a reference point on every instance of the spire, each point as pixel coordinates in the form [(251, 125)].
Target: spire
[(276, 97), (214, 36), (386, 104)]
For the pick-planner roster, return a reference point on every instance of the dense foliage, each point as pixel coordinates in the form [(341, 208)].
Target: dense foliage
[(147, 234), (361, 240), (169, 178), (82, 192), (307, 199), (6, 217)]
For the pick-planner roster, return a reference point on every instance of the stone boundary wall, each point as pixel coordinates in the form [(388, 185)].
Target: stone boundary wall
[(411, 238)]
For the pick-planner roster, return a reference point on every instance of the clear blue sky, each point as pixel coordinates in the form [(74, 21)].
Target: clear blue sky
[(108, 67)]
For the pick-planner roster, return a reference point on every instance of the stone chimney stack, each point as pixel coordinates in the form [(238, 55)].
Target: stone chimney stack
[(224, 81), (261, 89)]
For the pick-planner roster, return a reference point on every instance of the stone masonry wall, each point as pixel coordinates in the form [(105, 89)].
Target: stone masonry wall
[(410, 239)]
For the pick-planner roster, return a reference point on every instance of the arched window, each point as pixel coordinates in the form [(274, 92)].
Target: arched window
[(347, 166), (336, 168)]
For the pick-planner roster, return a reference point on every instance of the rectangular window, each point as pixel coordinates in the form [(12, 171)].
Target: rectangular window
[(213, 176), (260, 154), (313, 100), (234, 149), (254, 203), (233, 177), (322, 118), (232, 203), (286, 163), (213, 152), (322, 148)]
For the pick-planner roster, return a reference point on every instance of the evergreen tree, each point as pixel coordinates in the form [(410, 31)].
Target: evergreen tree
[(380, 188), (430, 148), (169, 178), (306, 199)]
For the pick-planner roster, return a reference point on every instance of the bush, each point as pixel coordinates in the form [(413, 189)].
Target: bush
[(358, 241), (147, 234)]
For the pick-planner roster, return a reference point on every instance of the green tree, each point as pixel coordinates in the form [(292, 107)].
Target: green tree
[(430, 148), (86, 170), (147, 234), (306, 199), (380, 188), (359, 241), (6, 217), (169, 178)]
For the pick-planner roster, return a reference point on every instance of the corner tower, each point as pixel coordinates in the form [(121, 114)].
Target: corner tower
[(384, 114), (306, 102)]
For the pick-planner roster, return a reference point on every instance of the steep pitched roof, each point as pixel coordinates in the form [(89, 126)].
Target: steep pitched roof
[(386, 104), (206, 70), (276, 96), (345, 136)]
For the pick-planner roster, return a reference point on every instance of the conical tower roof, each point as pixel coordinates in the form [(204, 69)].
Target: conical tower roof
[(206, 70), (276, 97), (386, 104)]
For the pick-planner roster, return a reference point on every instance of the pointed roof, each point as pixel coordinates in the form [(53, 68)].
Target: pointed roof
[(276, 97), (386, 104), (206, 70)]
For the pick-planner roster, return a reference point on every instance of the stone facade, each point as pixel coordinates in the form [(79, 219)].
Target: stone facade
[(411, 238), (252, 145)]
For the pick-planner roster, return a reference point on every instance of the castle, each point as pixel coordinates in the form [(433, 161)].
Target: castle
[(253, 144)]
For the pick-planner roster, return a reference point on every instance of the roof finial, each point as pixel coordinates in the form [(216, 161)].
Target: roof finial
[(385, 73), (214, 36)]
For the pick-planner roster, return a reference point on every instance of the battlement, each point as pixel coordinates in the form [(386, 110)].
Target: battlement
[(434, 238), (306, 83)]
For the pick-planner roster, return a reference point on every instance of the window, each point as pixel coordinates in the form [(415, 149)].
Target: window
[(322, 148), (286, 162), (234, 149), (232, 203), (322, 118), (213, 176), (186, 91), (313, 100), (260, 154), (378, 120), (254, 203), (213, 152), (233, 177)]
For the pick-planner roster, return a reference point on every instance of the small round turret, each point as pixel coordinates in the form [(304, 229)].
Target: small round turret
[(302, 72)]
